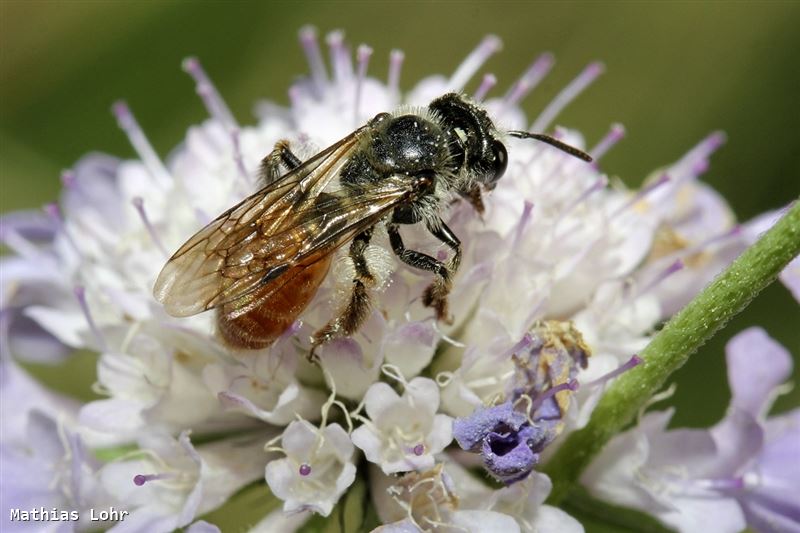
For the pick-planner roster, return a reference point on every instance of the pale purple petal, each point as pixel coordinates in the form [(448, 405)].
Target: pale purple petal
[(691, 514), (94, 189), (201, 526), (756, 366), (738, 437), (791, 277), (773, 502), (34, 226), (411, 347), (693, 449)]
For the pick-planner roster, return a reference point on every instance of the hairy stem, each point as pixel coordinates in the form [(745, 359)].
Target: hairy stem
[(709, 311)]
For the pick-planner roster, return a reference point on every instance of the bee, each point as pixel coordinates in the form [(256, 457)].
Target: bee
[(260, 263)]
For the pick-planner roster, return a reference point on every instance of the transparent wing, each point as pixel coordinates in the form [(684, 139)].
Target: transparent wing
[(289, 224)]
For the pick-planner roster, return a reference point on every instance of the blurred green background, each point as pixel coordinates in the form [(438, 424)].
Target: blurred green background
[(675, 72)]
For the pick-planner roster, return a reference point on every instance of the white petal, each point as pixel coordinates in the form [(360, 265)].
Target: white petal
[(350, 369), (299, 438), (551, 519), (379, 398), (483, 521), (424, 394)]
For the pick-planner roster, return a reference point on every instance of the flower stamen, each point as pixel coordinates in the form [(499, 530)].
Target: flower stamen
[(393, 372), (615, 134), (54, 213), (363, 54), (567, 95), (310, 44), (674, 267), (640, 194), (80, 294), (487, 47), (128, 124), (140, 479), (448, 339), (524, 220), (689, 252), (396, 58), (138, 204), (523, 343), (489, 80), (552, 391), (599, 184), (207, 92), (529, 80), (633, 362), (237, 154), (695, 158), (340, 59)]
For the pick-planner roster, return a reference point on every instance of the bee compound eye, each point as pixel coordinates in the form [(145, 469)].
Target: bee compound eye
[(380, 117), (500, 161)]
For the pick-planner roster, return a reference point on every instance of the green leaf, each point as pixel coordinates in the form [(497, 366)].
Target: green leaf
[(353, 514), (348, 516), (244, 509), (708, 312)]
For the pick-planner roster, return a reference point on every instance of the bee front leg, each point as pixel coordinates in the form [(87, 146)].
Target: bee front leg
[(357, 309), (281, 155), (436, 294), (474, 196)]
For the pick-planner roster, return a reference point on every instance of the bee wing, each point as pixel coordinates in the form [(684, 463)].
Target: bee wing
[(289, 223), (307, 237)]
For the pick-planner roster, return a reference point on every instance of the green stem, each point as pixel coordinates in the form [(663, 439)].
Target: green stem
[(709, 311)]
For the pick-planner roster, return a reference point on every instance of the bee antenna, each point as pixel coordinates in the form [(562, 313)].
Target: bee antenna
[(552, 141)]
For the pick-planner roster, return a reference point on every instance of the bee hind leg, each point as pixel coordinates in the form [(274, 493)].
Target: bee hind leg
[(435, 295), (280, 156), (358, 306)]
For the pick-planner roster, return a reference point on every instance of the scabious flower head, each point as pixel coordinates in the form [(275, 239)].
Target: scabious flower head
[(560, 265)]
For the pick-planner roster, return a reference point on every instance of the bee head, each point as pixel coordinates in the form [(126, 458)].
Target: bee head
[(472, 140)]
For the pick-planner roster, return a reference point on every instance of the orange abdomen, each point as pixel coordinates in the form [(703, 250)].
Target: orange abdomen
[(260, 327)]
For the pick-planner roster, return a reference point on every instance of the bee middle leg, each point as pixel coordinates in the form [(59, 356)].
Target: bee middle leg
[(357, 309), (280, 156), (436, 294)]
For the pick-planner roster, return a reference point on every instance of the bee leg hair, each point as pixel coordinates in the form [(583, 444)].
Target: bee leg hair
[(280, 156), (436, 294), (357, 309)]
